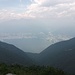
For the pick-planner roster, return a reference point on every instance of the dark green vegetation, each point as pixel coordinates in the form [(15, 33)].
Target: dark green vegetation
[(32, 70)]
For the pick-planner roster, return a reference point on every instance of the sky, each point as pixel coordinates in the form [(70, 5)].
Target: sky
[(49, 15), (30, 9), (52, 19)]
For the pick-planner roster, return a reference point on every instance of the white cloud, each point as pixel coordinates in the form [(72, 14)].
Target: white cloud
[(11, 14), (42, 9), (57, 11), (52, 2)]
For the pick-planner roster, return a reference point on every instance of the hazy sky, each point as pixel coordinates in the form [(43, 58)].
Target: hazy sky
[(56, 17), (52, 9), (53, 14)]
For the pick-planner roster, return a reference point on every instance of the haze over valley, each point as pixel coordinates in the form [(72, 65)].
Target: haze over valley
[(34, 43)]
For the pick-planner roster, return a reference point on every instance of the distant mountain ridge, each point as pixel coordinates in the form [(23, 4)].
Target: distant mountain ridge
[(10, 54)]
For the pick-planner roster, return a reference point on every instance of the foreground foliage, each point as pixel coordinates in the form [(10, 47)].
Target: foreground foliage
[(32, 70)]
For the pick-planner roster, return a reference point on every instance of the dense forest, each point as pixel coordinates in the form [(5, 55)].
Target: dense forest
[(31, 70)]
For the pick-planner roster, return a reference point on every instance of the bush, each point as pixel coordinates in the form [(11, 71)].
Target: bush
[(31, 70)]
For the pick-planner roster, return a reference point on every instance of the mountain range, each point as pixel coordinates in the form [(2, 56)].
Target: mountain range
[(59, 55)]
